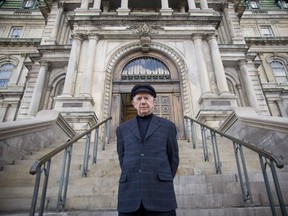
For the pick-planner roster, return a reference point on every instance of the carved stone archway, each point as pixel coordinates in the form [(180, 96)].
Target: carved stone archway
[(167, 54)]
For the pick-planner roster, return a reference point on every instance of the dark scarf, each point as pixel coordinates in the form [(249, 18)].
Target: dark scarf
[(143, 124)]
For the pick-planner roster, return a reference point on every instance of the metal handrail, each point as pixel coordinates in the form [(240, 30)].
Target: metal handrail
[(42, 165), (262, 152), (240, 161)]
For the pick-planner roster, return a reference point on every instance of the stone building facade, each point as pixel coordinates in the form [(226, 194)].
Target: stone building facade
[(82, 57)]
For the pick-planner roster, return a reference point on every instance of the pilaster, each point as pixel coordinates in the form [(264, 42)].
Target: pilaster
[(250, 92), (38, 90)]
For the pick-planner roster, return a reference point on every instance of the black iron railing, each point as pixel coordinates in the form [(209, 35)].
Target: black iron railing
[(42, 166), (266, 160)]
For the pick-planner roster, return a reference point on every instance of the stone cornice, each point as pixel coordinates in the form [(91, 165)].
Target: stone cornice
[(266, 40), (20, 41), (141, 20)]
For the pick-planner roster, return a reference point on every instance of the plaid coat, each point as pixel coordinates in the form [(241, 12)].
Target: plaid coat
[(148, 167)]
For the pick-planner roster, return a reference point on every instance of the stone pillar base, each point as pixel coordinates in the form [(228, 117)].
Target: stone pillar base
[(78, 111), (87, 12), (80, 121), (216, 108), (95, 11), (123, 11), (166, 12), (200, 12)]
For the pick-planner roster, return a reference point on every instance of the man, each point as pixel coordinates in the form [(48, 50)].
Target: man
[(148, 155)]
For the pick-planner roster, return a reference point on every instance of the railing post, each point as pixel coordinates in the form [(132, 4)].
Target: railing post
[(266, 181), (245, 192), (95, 148), (193, 135), (104, 136), (64, 178), (108, 131), (35, 193), (86, 155), (204, 143), (187, 129), (278, 189), (215, 152), (44, 187)]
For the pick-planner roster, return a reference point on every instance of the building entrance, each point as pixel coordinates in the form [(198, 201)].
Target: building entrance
[(168, 105), (156, 70)]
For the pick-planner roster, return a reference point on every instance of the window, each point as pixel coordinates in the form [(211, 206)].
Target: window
[(266, 31), (280, 71), (148, 68), (15, 32), (2, 2), (253, 4), (5, 73), (283, 4), (28, 4)]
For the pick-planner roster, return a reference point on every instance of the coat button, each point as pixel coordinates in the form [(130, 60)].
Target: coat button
[(140, 170), (142, 154)]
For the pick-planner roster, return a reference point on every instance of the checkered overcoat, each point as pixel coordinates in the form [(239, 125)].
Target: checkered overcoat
[(148, 167)]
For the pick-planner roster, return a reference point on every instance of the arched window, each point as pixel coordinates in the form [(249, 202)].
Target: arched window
[(280, 71), (282, 4), (2, 2), (253, 4), (5, 73), (28, 4), (145, 68)]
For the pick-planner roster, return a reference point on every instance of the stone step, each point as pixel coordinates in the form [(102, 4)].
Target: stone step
[(197, 186), (239, 211), (247, 211)]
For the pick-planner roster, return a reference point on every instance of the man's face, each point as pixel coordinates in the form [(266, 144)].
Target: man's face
[(143, 103)]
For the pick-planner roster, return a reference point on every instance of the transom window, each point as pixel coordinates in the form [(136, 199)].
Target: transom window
[(253, 4), (280, 71), (5, 73), (283, 4), (28, 3), (266, 31), (145, 68), (15, 32)]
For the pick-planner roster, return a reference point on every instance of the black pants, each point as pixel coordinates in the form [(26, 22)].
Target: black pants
[(143, 212)]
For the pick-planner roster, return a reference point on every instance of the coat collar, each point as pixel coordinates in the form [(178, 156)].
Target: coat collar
[(154, 124)]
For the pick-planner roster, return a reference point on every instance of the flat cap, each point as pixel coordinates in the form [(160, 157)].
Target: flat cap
[(143, 88)]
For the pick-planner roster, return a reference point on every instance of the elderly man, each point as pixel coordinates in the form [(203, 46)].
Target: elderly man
[(148, 155)]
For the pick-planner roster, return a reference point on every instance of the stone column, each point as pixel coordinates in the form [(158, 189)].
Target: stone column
[(124, 10), (97, 4), (96, 8), (191, 4), (38, 90), (84, 4), (55, 30), (218, 65), (164, 4), (203, 72), (182, 7), (229, 23), (88, 72), (165, 10), (248, 85), (124, 4), (72, 66), (203, 4)]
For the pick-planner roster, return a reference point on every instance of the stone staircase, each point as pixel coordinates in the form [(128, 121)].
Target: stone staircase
[(199, 190)]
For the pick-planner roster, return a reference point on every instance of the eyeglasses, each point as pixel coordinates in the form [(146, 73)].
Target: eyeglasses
[(140, 98)]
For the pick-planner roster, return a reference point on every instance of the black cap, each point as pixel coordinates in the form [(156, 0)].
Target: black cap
[(143, 88)]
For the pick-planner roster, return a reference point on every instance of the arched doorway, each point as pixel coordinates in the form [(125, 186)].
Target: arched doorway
[(155, 69)]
